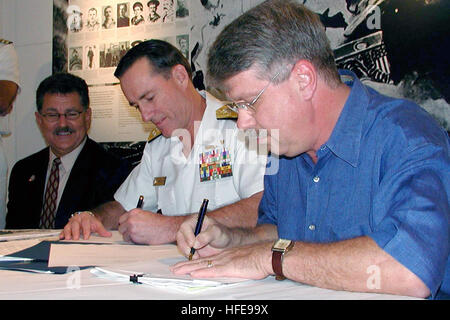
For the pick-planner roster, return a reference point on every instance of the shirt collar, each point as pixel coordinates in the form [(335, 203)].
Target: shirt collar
[(68, 160), (345, 139)]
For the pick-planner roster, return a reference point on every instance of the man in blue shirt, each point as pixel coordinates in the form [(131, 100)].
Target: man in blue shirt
[(360, 198)]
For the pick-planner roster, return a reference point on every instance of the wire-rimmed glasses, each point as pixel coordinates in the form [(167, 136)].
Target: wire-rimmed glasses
[(54, 116), (235, 106)]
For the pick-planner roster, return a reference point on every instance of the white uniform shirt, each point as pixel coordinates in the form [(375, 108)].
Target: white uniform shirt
[(9, 64), (217, 144), (9, 70)]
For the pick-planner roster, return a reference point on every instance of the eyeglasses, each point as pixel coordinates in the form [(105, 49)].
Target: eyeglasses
[(54, 116), (235, 106)]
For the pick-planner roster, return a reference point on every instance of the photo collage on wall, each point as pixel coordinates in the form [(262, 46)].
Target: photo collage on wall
[(101, 32), (89, 39)]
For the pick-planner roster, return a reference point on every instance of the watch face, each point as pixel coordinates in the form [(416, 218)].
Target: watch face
[(282, 244)]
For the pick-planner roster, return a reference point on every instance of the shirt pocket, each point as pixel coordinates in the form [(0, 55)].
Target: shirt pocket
[(166, 200), (225, 192)]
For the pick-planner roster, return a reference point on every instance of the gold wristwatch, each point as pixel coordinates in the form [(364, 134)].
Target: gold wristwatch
[(279, 248)]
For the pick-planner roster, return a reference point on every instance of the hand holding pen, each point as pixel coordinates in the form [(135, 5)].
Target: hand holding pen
[(141, 202), (198, 227)]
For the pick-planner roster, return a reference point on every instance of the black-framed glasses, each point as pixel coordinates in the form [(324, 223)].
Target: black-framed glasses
[(54, 116), (235, 106)]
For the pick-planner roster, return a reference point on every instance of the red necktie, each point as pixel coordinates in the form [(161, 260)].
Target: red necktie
[(51, 196)]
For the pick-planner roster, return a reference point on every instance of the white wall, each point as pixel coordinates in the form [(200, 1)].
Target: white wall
[(28, 23)]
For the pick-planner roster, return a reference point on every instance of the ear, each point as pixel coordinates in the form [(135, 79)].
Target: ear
[(305, 76), (180, 75), (38, 119), (88, 117)]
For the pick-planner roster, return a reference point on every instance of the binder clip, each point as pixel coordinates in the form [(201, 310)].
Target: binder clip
[(135, 278)]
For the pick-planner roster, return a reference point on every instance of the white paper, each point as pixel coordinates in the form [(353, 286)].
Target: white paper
[(81, 255), (116, 238), (21, 234), (170, 282)]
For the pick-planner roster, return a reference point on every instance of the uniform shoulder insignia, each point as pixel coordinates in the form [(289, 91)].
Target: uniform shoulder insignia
[(154, 133), (3, 41), (225, 113)]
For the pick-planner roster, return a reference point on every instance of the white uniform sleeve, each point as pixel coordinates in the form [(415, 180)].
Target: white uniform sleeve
[(139, 182), (9, 64)]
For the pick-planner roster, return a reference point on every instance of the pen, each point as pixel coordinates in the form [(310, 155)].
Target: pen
[(140, 202), (198, 227)]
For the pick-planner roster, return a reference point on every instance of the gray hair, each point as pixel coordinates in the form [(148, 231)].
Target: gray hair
[(271, 36)]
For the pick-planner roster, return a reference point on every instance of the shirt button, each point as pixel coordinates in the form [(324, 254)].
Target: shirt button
[(316, 179), (312, 227)]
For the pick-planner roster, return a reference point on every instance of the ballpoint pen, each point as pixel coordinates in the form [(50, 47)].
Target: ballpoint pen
[(140, 202), (198, 227)]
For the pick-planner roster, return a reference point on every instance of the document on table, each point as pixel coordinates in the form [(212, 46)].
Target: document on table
[(116, 238), (87, 254), (167, 281), (29, 255), (22, 234), (140, 264)]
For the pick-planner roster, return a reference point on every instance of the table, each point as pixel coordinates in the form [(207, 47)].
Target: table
[(83, 285)]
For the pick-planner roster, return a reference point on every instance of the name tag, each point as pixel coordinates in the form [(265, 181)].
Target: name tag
[(159, 181)]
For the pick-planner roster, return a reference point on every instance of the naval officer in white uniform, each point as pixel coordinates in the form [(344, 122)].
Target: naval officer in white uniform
[(191, 155)]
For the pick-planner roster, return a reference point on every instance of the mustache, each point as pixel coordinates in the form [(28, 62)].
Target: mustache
[(63, 130)]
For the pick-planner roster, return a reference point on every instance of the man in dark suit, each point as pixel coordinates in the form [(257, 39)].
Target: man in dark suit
[(86, 174)]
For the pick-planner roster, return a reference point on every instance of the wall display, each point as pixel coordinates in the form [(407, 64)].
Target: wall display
[(93, 35), (89, 39), (392, 45)]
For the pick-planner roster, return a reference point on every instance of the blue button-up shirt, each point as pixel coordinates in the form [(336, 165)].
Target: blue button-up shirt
[(383, 173)]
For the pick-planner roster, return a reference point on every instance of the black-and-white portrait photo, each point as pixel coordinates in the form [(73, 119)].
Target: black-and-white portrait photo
[(74, 20), (183, 44), (92, 23), (75, 58), (167, 11), (123, 18), (138, 14), (91, 57), (108, 18), (153, 15), (182, 9)]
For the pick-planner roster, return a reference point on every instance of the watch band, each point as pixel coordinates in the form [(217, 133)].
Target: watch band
[(277, 257), (277, 260)]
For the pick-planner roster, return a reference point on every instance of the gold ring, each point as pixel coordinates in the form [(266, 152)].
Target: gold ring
[(210, 264), (80, 212)]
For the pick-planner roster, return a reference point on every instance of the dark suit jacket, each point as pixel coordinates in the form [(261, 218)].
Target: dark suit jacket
[(94, 178)]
